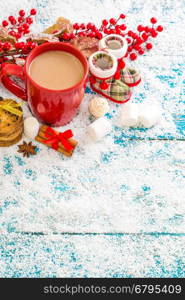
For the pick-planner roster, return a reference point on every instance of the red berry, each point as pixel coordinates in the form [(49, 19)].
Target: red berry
[(133, 56), (22, 13), (18, 45), (10, 18), (94, 28), (6, 46), (130, 48), (5, 23), (26, 31), (91, 34), (20, 19), (33, 12), (147, 29), (112, 31), (76, 26), (130, 33), (21, 45), (140, 28), (99, 35), (128, 40), (154, 33), (117, 75), (121, 64), (24, 48), (106, 31), (135, 36), (141, 51), (13, 22), (136, 47), (112, 21), (72, 36), (90, 25), (123, 27), (18, 35), (122, 16), (82, 26), (105, 22), (153, 20), (25, 26), (81, 33), (144, 37), (12, 33), (139, 41), (160, 28), (149, 46), (31, 45), (29, 20), (66, 36), (118, 31), (103, 85), (151, 29), (20, 29)]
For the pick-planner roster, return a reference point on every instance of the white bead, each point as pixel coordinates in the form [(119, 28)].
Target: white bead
[(150, 115), (31, 127), (129, 115), (98, 107), (99, 128)]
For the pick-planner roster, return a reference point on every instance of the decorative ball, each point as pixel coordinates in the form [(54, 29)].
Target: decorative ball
[(31, 127), (98, 107), (129, 115)]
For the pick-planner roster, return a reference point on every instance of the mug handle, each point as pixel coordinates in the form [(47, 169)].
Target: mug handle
[(9, 70)]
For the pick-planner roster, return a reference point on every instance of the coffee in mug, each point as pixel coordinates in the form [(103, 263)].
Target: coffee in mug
[(56, 70)]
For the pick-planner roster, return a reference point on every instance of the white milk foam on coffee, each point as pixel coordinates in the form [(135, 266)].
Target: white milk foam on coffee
[(56, 70)]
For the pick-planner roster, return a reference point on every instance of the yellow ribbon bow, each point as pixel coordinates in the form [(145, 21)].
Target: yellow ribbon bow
[(11, 107)]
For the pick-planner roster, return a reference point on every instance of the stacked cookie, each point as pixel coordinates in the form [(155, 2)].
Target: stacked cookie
[(11, 122)]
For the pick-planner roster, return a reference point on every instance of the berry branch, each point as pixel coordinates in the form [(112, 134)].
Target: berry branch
[(15, 28)]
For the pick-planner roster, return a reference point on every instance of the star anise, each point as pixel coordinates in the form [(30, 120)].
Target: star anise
[(27, 149)]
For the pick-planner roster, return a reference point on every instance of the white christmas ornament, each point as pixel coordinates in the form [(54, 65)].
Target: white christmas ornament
[(31, 127), (99, 128), (129, 115), (149, 115), (98, 107)]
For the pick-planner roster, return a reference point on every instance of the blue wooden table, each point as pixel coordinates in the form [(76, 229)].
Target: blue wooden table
[(130, 224)]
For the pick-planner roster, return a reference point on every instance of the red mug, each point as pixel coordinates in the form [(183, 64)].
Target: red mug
[(53, 107)]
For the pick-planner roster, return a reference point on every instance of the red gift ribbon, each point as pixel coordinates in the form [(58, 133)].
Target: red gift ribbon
[(54, 138)]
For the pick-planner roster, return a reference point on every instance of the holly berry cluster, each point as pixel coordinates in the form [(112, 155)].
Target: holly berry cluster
[(17, 28), (138, 41)]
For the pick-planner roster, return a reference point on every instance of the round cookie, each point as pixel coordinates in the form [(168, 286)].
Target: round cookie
[(11, 125)]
